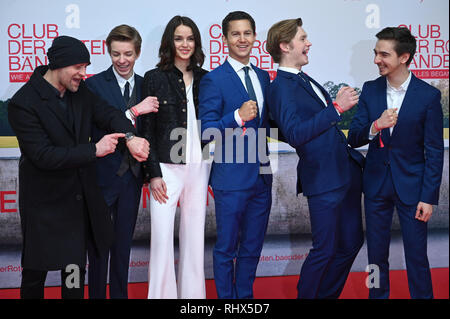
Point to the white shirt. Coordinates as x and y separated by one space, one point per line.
394 98
193 146
238 67
315 88
122 82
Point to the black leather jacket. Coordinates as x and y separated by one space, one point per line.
168 86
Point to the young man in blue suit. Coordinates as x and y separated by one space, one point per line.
232 109
400 117
118 175
328 172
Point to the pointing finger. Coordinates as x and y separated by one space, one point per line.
117 135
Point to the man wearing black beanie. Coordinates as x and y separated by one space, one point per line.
61 207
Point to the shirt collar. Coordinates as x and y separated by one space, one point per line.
236 65
290 70
402 87
121 81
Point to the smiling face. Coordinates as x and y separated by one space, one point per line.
240 38
69 78
123 57
184 43
388 62
296 51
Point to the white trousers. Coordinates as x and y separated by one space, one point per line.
189 184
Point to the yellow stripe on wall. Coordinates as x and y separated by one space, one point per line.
8 142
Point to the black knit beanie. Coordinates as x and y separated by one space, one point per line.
67 51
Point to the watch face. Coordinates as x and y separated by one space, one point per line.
129 135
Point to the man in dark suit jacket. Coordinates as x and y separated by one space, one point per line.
401 118
328 172
61 207
230 97
118 174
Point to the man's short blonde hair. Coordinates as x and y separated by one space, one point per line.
281 32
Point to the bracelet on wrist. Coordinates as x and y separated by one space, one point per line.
338 108
135 111
375 124
380 141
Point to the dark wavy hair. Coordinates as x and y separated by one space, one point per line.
167 49
405 42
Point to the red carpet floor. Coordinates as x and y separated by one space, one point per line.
285 287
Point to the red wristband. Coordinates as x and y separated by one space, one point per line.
375 124
135 111
338 108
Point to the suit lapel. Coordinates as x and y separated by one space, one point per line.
236 80
407 103
60 114
77 110
262 83
138 86
382 106
324 92
114 88
48 96
310 90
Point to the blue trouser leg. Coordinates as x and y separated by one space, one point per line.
241 219
379 213
124 214
414 234
324 210
124 224
253 230
350 238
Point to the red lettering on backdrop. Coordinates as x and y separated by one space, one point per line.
215 31
27 45
4 201
431 60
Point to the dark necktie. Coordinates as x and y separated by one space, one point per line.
126 93
249 85
305 78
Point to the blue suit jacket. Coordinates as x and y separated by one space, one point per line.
415 150
310 128
105 85
221 93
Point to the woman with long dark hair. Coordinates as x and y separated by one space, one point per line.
175 168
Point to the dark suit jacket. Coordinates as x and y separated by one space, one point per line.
311 129
57 172
105 86
221 93
414 152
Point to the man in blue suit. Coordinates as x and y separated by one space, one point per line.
401 118
328 172
232 109
118 175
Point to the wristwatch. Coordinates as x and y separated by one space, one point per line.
129 136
